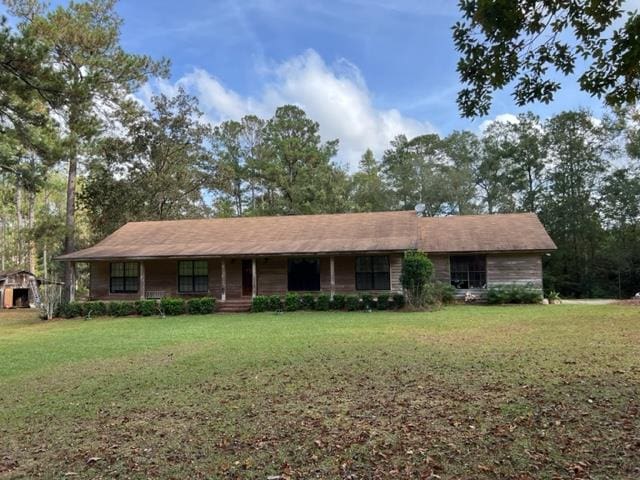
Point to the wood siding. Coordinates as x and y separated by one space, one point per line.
519 269
441 270
162 276
18 280
99 281
501 269
272 275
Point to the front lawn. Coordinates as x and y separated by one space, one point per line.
467 392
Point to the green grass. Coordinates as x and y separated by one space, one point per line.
466 392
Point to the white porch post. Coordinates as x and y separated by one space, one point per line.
332 270
254 278
72 286
223 285
142 287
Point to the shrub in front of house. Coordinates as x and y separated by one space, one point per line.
207 305
308 301
172 306
338 302
323 302
95 309
366 299
398 300
417 271
502 294
439 293
122 308
383 302
292 302
352 302
497 296
259 303
201 305
274 303
147 308
70 310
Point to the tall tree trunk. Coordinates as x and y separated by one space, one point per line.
4 243
19 249
69 236
32 241
45 265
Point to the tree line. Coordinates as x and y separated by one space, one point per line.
80 156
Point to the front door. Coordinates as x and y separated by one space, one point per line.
247 278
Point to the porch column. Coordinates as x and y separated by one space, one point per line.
223 284
72 285
254 278
332 269
142 287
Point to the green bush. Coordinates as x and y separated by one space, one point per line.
417 270
70 310
383 302
95 309
192 306
398 300
501 294
274 303
497 296
367 301
122 308
352 302
292 302
437 293
338 302
147 308
172 306
201 306
308 301
207 305
323 302
260 303
553 296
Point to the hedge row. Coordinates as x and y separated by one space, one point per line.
502 294
146 308
323 302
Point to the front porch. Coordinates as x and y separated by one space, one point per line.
232 279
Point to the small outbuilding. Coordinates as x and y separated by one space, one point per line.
19 289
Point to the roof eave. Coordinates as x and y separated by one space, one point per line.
71 258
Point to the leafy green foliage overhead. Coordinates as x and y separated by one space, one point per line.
525 42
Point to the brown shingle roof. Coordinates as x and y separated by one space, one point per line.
311 234
484 233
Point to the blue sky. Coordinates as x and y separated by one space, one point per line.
366 70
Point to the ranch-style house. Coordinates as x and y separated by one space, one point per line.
234 259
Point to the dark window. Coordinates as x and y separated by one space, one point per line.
303 275
469 271
193 276
372 273
124 277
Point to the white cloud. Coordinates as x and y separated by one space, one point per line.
502 118
335 96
